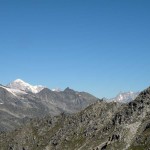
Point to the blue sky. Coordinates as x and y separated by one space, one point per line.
98 46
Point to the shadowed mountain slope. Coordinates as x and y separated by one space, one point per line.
17 106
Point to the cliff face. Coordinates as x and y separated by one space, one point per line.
100 126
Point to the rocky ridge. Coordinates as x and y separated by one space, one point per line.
102 125
17 106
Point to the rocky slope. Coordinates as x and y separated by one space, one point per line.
100 126
17 106
68 100
15 109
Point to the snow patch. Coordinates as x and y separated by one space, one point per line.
125 97
14 92
19 84
56 90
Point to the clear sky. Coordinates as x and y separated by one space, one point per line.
98 46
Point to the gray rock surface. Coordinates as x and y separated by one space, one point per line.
101 126
18 106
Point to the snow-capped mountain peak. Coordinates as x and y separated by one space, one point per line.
22 85
125 97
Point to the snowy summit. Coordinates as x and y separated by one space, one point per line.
21 85
125 97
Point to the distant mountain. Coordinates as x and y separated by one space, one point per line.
68 100
21 85
101 126
20 101
16 106
125 97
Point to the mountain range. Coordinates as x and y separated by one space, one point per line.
101 125
19 86
20 101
